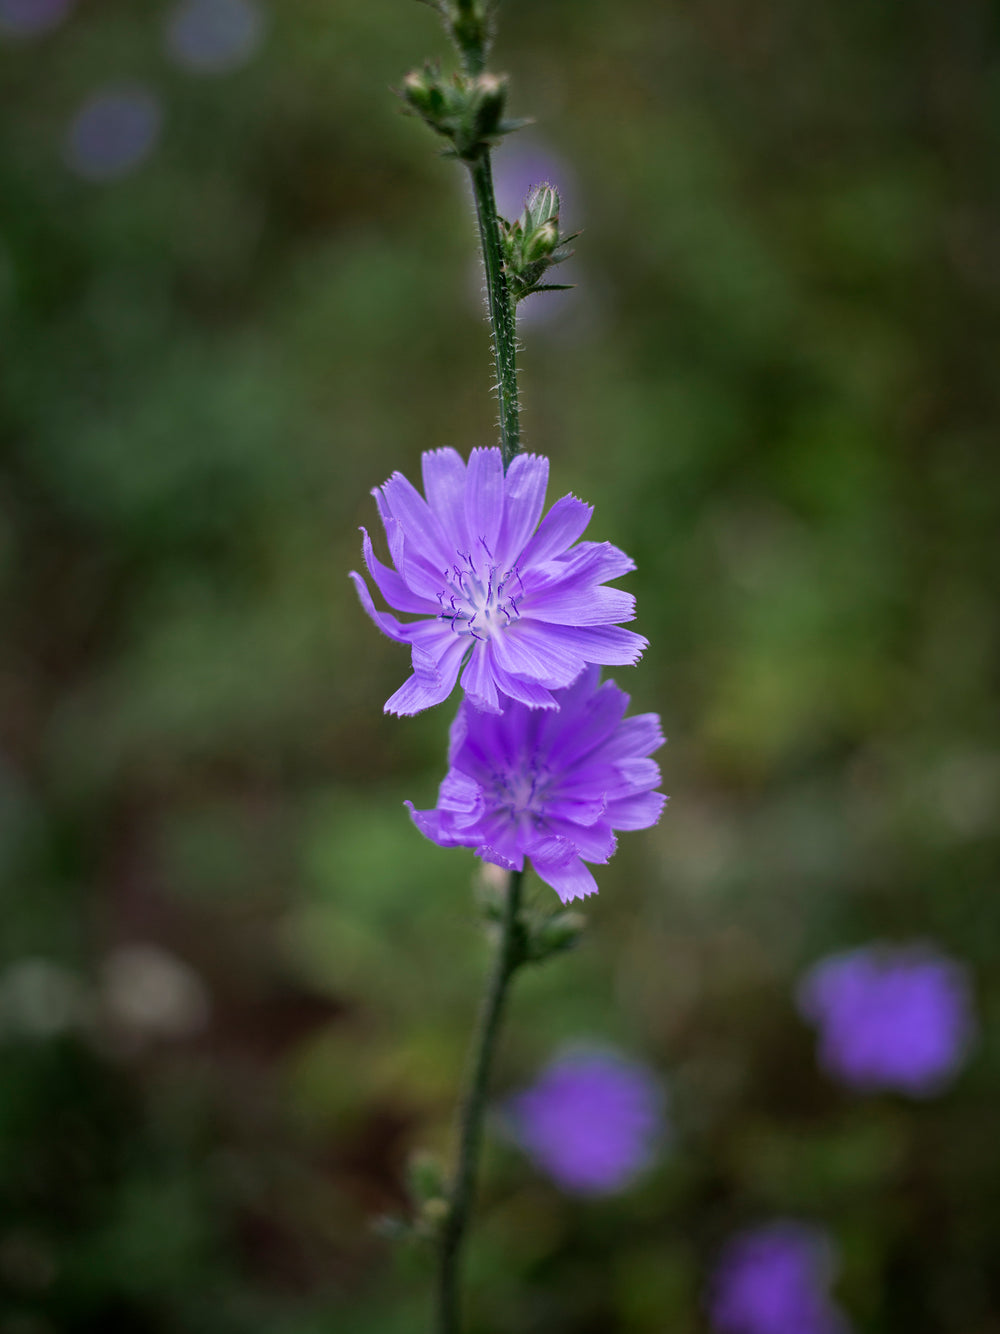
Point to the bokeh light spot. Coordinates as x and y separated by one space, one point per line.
31 18
113 132
214 36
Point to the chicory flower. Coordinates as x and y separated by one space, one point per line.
518 607
550 786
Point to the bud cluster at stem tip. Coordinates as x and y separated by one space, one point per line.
467 109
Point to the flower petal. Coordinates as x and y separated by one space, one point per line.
639 735
638 812
532 651
416 694
641 775
436 826
496 858
421 528
462 797
478 683
563 524
524 496
436 665
444 485
557 864
571 602
484 498
596 842
524 692
392 586
386 623
609 645
598 561
591 720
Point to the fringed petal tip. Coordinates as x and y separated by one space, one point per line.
488 854
418 692
558 863
570 881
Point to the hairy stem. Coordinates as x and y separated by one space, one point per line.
501 308
509 955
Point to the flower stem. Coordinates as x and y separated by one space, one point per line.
509 956
501 307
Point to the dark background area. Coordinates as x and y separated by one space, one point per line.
236 985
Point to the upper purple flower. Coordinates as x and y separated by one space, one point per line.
890 1017
775 1280
592 1121
549 786
523 611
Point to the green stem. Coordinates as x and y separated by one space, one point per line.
509 955
500 306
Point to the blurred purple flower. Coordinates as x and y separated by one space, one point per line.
214 36
592 1122
553 787
113 132
31 18
775 1280
522 611
890 1017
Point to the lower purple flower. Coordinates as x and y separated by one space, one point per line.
890 1017
775 1280
592 1121
550 786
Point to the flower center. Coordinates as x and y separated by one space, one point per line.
479 597
522 792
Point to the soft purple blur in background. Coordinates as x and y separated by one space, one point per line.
30 18
592 1121
113 132
890 1018
214 36
776 1280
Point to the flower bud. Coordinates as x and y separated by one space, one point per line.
422 91
532 244
554 935
467 109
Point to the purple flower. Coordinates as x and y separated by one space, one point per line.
890 1017
775 1280
592 1121
522 611
549 786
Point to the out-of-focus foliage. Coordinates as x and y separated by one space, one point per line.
235 984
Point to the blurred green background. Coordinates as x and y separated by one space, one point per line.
235 984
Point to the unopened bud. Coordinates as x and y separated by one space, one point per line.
557 933
541 243
422 91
